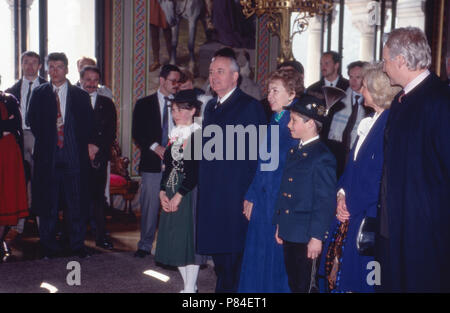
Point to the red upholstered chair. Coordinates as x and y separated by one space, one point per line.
120 181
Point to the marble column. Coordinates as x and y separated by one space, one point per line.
411 13
312 66
360 20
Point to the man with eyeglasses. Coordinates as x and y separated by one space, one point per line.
152 122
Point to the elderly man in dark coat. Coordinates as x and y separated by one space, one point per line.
414 243
223 182
61 119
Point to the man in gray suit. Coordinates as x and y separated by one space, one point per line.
22 90
152 122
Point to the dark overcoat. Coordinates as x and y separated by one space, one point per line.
415 194
42 116
223 183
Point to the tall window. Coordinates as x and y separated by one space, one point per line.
71 29
7 49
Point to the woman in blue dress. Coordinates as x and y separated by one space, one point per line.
358 190
263 267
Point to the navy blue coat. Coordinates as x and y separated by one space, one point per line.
307 198
361 183
263 267
223 183
42 116
416 191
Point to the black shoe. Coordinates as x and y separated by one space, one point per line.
141 253
104 244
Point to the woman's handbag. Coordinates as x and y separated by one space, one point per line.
365 240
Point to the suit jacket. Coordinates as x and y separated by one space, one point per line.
221 226
17 87
307 198
316 88
42 116
415 195
146 130
105 120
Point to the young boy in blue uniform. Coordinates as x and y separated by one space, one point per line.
307 197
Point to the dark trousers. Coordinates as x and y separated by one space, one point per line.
299 267
228 270
97 213
382 257
67 184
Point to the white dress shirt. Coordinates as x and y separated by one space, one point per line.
416 81
333 83
93 98
161 101
309 141
62 93
224 98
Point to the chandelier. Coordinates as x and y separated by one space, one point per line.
279 13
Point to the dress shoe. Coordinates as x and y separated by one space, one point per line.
5 252
104 244
141 253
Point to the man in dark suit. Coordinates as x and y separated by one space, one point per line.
152 122
414 242
222 227
22 90
105 117
343 129
330 62
61 119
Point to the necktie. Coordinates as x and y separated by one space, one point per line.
346 135
27 104
59 121
401 96
165 124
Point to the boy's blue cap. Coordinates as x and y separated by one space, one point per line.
311 107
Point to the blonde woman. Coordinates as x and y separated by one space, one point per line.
359 186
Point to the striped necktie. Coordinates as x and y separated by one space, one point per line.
59 121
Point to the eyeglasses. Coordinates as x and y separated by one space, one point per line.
173 81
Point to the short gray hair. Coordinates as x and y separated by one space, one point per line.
234 66
379 85
412 44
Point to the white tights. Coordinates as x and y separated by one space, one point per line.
189 273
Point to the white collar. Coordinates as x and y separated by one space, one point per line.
60 88
309 140
224 98
25 80
334 82
416 81
180 133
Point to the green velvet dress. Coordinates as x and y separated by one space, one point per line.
176 234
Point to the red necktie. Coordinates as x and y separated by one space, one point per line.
59 121
401 96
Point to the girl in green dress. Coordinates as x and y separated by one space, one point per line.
176 235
